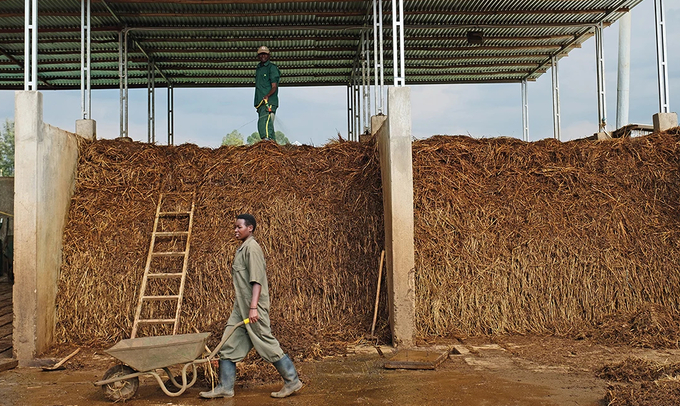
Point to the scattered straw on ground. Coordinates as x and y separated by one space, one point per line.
646 383
637 369
659 393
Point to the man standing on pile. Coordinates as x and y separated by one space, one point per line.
267 78
252 293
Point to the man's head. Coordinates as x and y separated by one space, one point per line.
263 54
244 226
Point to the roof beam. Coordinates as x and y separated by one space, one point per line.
21 65
345 13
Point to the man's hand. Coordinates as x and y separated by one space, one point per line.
253 316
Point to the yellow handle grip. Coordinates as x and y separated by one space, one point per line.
246 321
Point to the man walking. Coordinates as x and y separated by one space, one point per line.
251 301
267 78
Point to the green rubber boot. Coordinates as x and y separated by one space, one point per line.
291 381
227 377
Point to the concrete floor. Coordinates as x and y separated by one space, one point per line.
489 375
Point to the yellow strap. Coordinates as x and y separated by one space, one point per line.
6 214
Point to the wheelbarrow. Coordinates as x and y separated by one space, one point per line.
146 355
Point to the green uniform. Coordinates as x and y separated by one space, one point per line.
266 74
249 267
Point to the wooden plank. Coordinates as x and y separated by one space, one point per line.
169 254
416 359
6 319
8 363
165 275
6 330
5 344
5 308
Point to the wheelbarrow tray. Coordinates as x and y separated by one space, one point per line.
149 353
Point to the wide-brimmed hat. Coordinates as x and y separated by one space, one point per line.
263 50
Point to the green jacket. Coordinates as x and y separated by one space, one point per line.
266 74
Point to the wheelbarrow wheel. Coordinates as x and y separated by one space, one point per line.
120 390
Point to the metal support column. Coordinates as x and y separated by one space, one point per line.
601 99
151 102
31 45
356 91
557 125
123 83
171 115
349 111
398 42
85 60
365 83
379 72
623 77
525 111
662 56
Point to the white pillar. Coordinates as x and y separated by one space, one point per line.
396 164
623 79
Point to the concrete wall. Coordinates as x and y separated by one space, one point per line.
45 164
396 165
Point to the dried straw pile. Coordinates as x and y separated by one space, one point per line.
544 237
511 237
649 326
641 383
319 213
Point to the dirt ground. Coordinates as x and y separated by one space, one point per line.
515 370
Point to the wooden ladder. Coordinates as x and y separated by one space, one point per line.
143 298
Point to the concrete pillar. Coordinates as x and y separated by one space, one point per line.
45 165
376 123
664 121
87 129
396 164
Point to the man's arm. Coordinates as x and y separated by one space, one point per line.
271 92
252 314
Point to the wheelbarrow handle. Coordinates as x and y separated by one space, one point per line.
227 334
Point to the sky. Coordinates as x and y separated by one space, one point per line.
314 116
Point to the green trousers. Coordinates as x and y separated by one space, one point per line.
265 123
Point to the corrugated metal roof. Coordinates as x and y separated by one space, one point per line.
314 43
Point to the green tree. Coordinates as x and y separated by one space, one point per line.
253 138
233 138
7 149
281 138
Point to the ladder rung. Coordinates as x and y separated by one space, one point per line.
170 233
174 213
168 297
164 275
156 321
169 254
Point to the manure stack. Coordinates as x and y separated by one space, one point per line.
511 237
